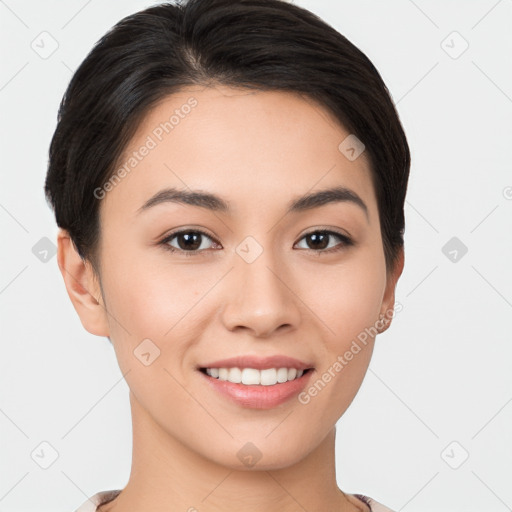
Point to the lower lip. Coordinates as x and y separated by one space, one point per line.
258 396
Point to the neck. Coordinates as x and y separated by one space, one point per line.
167 475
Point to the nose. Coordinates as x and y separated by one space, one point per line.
260 297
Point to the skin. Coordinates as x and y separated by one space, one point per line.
258 151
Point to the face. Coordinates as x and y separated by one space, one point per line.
188 284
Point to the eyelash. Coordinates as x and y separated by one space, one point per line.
345 241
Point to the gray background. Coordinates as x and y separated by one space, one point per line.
439 385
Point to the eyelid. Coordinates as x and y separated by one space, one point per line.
188 229
330 229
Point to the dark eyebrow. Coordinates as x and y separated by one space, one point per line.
194 198
215 203
323 197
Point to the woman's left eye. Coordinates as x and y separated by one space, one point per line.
190 243
320 237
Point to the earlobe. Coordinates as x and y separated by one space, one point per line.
388 302
82 286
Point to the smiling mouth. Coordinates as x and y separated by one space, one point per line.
254 377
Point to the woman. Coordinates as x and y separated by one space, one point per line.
229 181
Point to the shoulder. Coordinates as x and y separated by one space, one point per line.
103 497
100 498
373 505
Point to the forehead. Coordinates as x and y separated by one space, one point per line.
253 147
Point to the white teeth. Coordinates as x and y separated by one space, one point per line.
282 375
269 377
252 376
234 375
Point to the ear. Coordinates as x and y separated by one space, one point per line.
82 286
388 301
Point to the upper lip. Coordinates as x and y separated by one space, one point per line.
259 363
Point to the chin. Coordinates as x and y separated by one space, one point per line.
260 454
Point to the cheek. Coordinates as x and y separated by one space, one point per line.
138 292
350 308
162 303
152 321
347 299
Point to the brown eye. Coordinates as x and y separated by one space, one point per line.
320 241
187 241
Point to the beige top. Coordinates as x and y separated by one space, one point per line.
103 497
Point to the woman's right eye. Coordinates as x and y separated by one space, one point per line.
188 241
